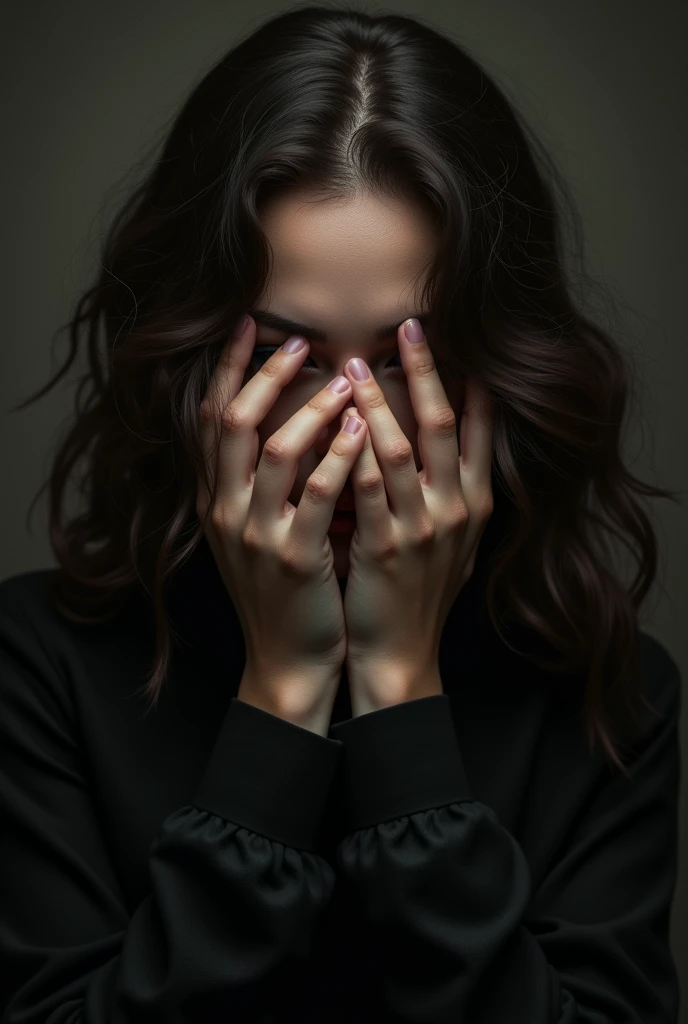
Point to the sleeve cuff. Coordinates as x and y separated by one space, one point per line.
269 776
398 760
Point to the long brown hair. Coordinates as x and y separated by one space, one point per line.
337 100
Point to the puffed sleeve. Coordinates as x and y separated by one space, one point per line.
236 885
460 933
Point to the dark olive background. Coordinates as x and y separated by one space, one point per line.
87 85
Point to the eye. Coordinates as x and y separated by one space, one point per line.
261 353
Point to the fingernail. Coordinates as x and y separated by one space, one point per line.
339 384
358 369
414 331
352 425
294 344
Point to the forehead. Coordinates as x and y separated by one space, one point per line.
337 256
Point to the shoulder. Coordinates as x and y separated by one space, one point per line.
31 678
29 601
46 650
25 605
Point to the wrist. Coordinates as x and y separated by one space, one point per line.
373 688
304 699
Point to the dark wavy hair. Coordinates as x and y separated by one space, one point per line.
338 101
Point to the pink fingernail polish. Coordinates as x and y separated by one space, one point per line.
358 369
339 384
414 331
294 344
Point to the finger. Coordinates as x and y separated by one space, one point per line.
437 434
278 464
242 409
373 517
223 386
313 516
393 450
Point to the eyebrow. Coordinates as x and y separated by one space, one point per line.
282 323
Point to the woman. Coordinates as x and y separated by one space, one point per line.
411 762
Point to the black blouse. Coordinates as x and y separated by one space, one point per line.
461 858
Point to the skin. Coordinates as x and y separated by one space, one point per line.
345 267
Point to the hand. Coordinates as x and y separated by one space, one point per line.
408 562
276 561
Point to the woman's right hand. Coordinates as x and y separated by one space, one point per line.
275 560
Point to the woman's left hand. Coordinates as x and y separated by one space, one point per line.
408 563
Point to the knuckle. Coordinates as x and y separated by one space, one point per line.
232 418
459 514
427 533
443 422
219 518
399 452
276 449
341 446
318 402
387 553
317 486
370 483
376 400
250 537
425 365
270 370
205 411
292 562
